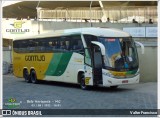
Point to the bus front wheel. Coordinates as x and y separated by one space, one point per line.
82 83
34 77
26 76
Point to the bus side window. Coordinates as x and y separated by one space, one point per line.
89 38
67 45
31 46
23 44
63 45
39 46
45 45
52 45
16 46
77 45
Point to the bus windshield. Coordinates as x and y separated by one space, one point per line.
121 53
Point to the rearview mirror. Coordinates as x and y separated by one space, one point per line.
142 46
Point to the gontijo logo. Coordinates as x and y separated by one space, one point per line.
18 28
17 24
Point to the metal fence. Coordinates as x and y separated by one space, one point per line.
115 14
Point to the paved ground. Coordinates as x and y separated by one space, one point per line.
53 95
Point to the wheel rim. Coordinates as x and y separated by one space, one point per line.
33 76
83 83
26 75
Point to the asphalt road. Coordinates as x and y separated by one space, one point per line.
53 95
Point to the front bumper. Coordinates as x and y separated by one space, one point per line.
111 81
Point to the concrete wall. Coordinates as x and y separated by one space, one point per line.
50 25
7 56
148 64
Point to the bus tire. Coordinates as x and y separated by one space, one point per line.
113 87
33 77
26 76
82 83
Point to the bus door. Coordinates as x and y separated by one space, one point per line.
88 67
93 65
97 64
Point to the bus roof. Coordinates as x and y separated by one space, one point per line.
103 32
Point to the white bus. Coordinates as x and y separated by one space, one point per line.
87 56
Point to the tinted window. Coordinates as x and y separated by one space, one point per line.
89 38
52 44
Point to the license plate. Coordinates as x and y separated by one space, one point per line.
125 81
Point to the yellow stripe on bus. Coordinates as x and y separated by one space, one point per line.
118 73
39 61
